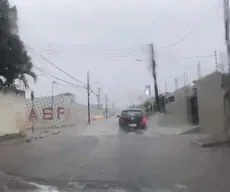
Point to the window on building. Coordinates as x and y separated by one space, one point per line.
171 99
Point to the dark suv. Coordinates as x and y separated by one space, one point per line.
132 119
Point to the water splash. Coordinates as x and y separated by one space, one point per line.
43 188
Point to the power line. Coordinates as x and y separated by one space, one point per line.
74 85
95 47
107 50
46 59
110 53
77 86
59 79
51 63
86 44
197 57
113 50
189 33
71 86
161 15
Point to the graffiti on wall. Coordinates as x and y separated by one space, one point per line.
47 113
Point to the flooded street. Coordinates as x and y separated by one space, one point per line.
100 157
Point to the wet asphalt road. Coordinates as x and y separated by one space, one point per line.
100 156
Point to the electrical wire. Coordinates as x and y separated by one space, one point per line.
59 79
111 50
86 45
61 84
98 47
51 63
190 32
161 15
198 57
108 52
77 86
46 59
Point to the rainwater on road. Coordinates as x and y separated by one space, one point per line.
100 157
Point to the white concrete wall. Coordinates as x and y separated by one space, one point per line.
12 112
178 110
40 104
71 113
211 104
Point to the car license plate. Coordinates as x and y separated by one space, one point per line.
132 125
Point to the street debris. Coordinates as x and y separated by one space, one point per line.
55 132
28 140
41 136
45 131
44 134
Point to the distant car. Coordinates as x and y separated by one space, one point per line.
95 117
132 119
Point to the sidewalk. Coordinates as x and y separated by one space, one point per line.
43 133
154 124
159 123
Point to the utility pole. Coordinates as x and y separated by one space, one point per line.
106 106
198 70
216 62
113 106
53 94
186 76
176 83
153 63
159 90
88 96
184 79
166 87
99 99
226 26
32 100
222 63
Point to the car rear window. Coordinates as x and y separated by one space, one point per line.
132 113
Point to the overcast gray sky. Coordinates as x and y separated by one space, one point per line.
107 36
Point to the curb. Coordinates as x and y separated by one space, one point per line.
210 144
198 143
8 137
195 129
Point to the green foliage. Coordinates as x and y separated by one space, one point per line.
14 60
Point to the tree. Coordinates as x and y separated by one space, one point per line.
14 60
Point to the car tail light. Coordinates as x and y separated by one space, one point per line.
143 120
